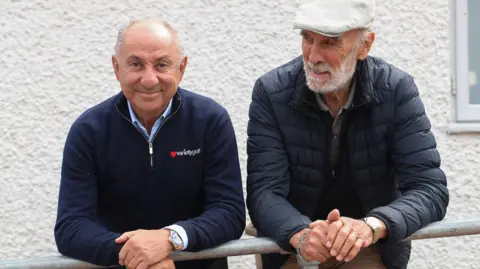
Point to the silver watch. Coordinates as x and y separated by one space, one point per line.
376 226
175 240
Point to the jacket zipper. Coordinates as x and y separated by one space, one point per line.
150 143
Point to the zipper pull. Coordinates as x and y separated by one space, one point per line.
333 174
150 150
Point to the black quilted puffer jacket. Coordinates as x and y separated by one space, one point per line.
392 157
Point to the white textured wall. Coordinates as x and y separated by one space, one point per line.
55 62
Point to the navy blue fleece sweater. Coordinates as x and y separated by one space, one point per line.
112 183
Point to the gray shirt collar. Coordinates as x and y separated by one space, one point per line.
347 105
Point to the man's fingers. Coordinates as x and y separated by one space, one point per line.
319 232
134 263
334 215
313 253
123 253
312 248
320 229
128 259
321 257
333 229
123 238
165 264
322 254
168 264
355 250
142 265
318 223
345 249
318 235
340 239
307 253
366 242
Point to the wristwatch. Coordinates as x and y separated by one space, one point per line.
376 226
175 240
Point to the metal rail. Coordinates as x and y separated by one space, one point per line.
243 247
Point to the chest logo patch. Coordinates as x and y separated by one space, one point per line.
185 152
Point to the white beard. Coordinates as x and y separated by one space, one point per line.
338 78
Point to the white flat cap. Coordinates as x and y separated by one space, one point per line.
332 18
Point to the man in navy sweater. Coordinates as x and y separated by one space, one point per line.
152 170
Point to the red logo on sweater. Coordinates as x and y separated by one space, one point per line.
185 152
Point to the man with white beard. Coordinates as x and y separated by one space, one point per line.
342 165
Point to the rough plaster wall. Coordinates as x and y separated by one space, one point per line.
55 59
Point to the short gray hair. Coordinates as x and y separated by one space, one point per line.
121 33
364 35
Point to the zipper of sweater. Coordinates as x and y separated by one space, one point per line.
150 150
333 174
150 144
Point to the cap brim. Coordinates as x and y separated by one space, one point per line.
318 31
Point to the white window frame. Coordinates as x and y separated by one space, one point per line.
465 112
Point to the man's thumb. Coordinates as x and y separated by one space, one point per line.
334 215
124 237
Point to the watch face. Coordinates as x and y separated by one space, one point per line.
176 240
374 223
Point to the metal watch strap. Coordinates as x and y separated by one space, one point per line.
302 237
375 231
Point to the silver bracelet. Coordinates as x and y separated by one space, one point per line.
302 237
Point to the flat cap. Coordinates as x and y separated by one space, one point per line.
332 18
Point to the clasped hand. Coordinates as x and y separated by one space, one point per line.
145 249
338 237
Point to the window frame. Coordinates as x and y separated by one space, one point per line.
465 112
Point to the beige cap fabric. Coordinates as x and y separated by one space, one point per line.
332 18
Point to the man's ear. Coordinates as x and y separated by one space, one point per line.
183 66
366 46
116 68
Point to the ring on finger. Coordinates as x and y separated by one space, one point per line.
357 236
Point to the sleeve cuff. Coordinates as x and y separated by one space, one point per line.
290 228
181 233
394 221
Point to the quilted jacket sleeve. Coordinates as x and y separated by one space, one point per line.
416 161
268 176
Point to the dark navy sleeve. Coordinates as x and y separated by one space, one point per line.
268 179
78 234
224 216
416 161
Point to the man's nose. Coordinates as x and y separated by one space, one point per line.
316 54
149 79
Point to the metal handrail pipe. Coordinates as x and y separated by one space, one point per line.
242 247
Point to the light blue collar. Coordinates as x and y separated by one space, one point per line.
156 125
